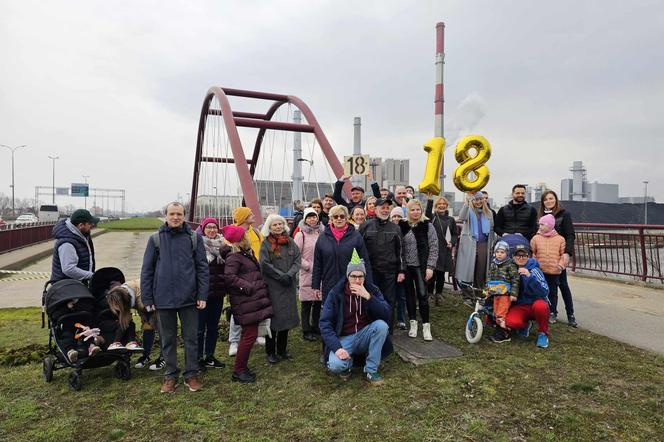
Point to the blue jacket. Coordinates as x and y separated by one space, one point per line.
331 258
332 316
175 276
533 287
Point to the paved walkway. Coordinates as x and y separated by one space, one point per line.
627 313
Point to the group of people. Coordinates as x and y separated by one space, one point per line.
359 268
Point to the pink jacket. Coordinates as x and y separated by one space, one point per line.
306 242
548 251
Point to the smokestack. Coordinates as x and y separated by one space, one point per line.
439 100
357 146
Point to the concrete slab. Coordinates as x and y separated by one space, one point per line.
419 352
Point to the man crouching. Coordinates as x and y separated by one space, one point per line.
354 322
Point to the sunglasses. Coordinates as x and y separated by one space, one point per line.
338 216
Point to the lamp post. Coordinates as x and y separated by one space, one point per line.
645 203
85 199
13 149
53 159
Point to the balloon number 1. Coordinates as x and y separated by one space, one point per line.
472 174
434 148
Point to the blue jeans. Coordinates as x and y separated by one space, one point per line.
369 340
208 327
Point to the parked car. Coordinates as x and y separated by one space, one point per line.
2 222
27 218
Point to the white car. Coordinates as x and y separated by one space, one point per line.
27 218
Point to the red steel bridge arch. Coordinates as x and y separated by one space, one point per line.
246 167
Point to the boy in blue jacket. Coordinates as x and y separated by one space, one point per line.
532 302
354 321
174 281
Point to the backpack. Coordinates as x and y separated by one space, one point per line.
155 240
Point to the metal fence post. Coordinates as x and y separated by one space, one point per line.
644 260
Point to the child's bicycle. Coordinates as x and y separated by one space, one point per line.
477 319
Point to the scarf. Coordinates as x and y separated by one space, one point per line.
306 228
277 241
480 228
338 233
548 234
371 213
213 247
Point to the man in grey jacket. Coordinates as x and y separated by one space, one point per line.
174 281
73 252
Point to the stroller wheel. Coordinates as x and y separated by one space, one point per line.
123 370
49 363
474 328
75 381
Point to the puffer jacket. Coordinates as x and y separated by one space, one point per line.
549 252
516 218
384 245
250 302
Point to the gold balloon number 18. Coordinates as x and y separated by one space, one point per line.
471 175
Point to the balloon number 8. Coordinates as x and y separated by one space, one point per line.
472 174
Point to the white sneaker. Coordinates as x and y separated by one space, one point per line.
426 332
232 349
412 333
260 340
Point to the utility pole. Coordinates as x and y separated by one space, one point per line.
13 149
85 200
645 203
53 159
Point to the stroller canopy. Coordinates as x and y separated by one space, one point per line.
101 282
65 291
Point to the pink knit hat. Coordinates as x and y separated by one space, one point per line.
233 233
396 211
207 221
548 220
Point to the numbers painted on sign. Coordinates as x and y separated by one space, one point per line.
434 148
472 174
356 165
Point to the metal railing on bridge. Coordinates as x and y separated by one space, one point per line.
16 236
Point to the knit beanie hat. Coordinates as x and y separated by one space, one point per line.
356 264
241 214
207 221
232 233
502 245
548 220
397 211
310 211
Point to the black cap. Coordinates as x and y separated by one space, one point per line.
521 248
381 201
361 189
83 216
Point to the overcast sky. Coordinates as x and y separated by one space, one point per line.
115 88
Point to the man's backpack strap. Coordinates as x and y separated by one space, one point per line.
194 241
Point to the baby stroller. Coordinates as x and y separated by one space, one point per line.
54 296
483 312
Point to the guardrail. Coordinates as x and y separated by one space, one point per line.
622 249
15 236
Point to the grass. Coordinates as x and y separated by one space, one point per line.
584 387
133 224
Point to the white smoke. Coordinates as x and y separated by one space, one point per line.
465 118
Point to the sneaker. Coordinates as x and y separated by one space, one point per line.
133 346
142 362
245 377
212 362
469 302
500 335
93 350
426 332
553 318
260 340
542 340
159 363
116 346
525 332
272 359
375 379
401 325
72 355
193 383
571 321
345 375
169 385
438 299
309 337
285 355
232 349
412 333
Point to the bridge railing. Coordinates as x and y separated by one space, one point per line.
15 236
634 250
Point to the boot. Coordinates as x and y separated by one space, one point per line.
412 333
426 332
438 299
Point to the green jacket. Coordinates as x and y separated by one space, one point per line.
506 272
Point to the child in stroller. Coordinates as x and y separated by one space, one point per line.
77 340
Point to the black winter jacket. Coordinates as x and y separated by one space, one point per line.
513 218
565 228
338 188
384 245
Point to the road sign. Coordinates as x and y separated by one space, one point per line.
62 190
356 165
80 189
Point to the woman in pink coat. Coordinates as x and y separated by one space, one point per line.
306 239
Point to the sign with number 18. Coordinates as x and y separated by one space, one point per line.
356 165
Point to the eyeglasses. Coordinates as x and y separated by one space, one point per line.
211 226
355 276
338 216
521 256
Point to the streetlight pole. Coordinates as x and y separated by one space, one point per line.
53 159
13 149
645 203
85 199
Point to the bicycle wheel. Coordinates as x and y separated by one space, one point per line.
474 328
